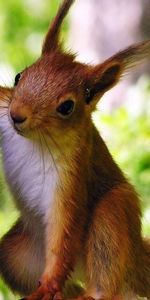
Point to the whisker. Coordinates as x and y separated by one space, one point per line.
58 147
6 107
6 99
29 160
3 115
4 102
49 169
5 131
42 156
49 150
1 78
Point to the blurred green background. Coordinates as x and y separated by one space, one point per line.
22 28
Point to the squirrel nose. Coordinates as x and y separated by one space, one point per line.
17 119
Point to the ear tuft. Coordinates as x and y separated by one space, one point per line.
52 38
104 76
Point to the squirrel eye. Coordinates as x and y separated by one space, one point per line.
66 108
17 78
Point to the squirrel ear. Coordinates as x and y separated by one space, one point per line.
52 38
103 77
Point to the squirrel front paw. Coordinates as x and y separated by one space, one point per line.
46 291
46 295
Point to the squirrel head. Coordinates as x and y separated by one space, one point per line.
57 92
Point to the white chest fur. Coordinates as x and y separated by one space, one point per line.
30 171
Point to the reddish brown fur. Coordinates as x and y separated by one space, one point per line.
96 212
52 38
21 254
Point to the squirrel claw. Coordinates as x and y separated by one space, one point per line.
83 298
44 295
58 296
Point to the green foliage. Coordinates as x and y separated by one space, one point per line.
23 26
5 294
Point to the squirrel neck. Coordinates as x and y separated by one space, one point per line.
40 165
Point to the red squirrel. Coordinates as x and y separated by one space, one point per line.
79 230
